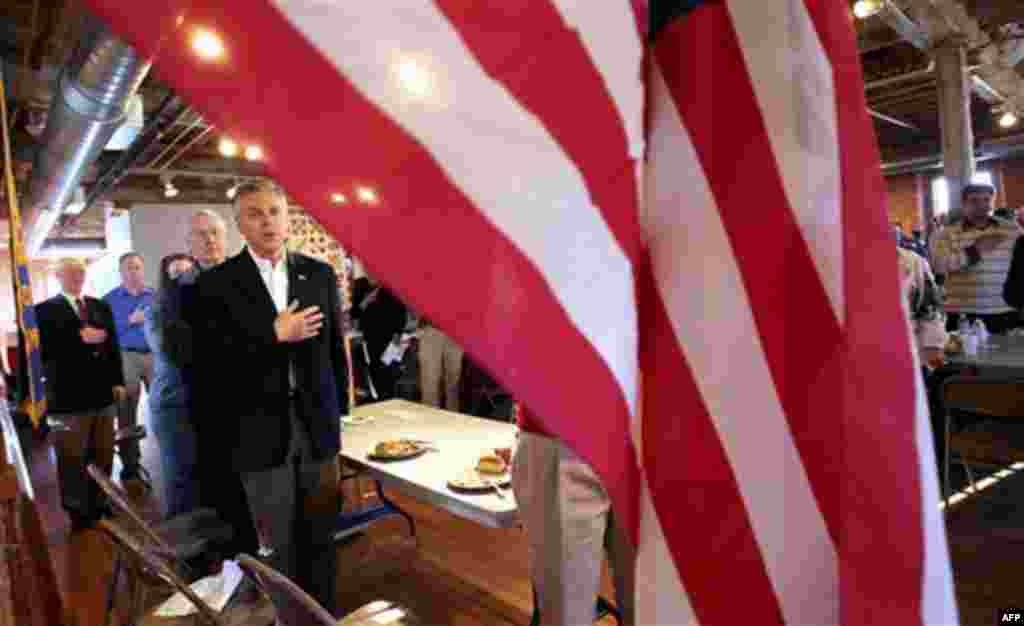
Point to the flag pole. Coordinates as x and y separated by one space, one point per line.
346 269
20 278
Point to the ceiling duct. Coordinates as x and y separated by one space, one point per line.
91 102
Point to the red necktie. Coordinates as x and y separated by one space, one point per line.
83 312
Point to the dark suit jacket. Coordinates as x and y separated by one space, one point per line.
380 320
1013 288
240 371
79 376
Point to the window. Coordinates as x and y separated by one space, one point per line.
940 191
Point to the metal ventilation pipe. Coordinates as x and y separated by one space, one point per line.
89 105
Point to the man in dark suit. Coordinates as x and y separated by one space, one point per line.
382 318
270 367
82 362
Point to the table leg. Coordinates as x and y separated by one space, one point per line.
351 523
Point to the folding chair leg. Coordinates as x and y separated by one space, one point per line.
112 590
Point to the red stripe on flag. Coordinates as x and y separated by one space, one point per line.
692 485
321 136
882 503
704 70
592 135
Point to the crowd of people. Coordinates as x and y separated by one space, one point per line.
970 270
243 359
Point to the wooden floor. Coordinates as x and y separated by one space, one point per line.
460 574
454 573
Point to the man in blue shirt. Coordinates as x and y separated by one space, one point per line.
129 303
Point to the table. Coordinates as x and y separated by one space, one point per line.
1002 355
460 440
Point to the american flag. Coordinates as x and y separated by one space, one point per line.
33 401
487 160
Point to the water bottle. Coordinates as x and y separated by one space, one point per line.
970 341
980 332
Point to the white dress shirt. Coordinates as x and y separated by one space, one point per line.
73 301
275 277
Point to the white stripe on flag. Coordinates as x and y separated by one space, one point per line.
660 597
938 599
413 65
792 78
608 31
701 285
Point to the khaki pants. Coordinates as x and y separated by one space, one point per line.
138 367
568 520
88 438
440 361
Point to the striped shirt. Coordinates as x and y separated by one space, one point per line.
974 281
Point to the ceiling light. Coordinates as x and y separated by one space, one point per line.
232 190
253 153
170 190
338 198
367 195
414 78
864 9
1008 119
207 44
227 147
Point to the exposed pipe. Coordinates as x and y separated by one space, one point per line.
147 171
175 141
986 91
893 120
906 27
177 155
90 105
147 136
902 78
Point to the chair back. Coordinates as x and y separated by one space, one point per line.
294 607
994 396
999 439
157 565
119 498
380 613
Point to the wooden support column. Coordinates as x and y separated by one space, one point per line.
955 116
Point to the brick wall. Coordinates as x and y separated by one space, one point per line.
1012 183
905 201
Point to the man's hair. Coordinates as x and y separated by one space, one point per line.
70 260
257 186
977 188
128 255
207 213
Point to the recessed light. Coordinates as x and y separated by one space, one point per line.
227 147
366 195
253 153
864 9
338 198
1008 119
207 44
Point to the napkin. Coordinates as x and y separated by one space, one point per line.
214 590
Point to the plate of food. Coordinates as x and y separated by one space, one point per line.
474 481
357 420
396 450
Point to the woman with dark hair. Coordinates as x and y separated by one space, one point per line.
170 339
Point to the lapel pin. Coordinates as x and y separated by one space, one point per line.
302 277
